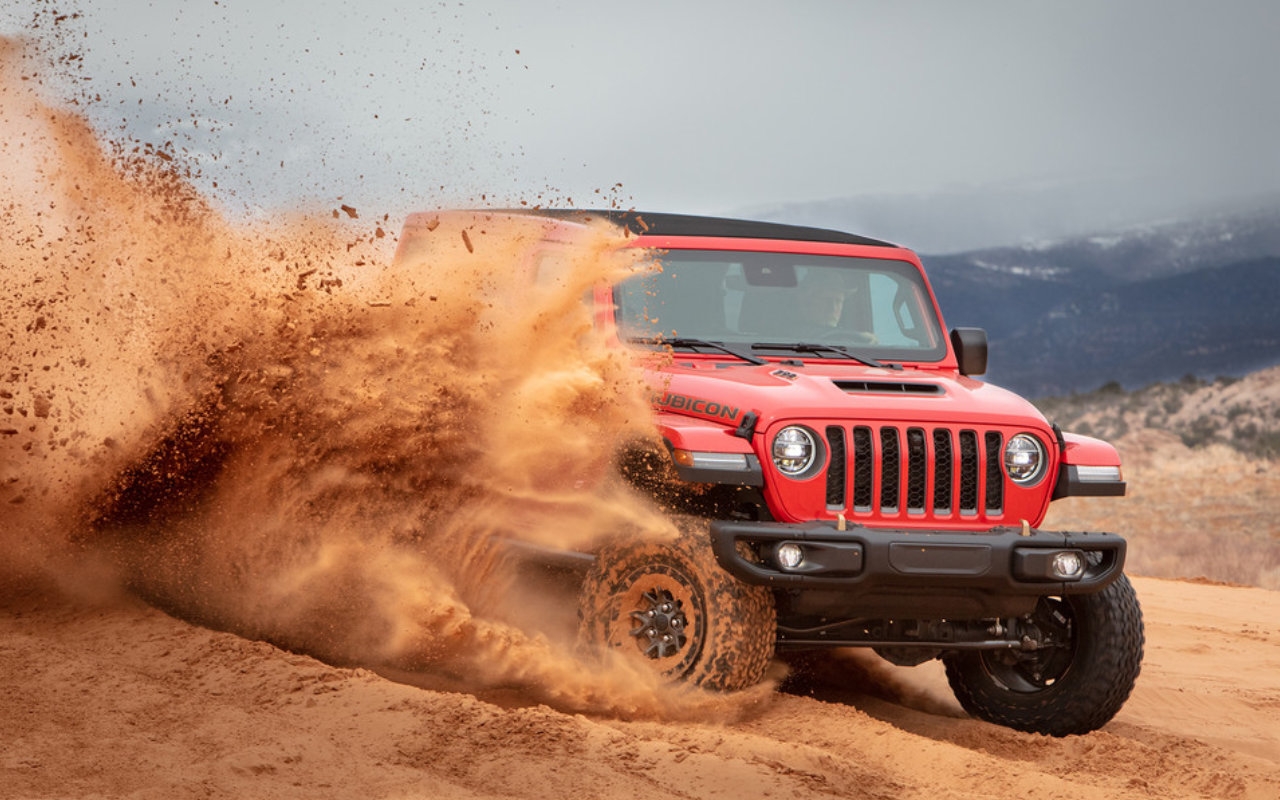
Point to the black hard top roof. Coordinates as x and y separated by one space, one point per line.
662 224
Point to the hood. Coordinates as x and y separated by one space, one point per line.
725 392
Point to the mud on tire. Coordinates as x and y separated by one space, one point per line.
1072 687
670 605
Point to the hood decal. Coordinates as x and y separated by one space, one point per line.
700 407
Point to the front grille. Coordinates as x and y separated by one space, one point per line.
919 471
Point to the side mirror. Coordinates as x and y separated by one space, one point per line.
970 345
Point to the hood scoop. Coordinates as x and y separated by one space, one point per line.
889 387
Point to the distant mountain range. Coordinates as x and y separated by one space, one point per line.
1144 304
1196 294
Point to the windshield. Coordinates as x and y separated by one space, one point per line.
874 307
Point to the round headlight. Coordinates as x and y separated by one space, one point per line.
1024 459
794 450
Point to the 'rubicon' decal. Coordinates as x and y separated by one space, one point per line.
699 406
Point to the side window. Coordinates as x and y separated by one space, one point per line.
550 265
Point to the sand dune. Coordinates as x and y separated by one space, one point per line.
116 699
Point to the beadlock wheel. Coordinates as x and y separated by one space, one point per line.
670 606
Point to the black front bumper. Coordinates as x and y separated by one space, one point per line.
872 563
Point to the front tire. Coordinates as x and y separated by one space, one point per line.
670 606
1087 659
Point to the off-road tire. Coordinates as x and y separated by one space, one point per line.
729 627
1064 691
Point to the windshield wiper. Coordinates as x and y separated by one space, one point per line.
816 347
684 341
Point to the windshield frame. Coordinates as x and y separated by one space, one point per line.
774 279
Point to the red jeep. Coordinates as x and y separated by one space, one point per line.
845 481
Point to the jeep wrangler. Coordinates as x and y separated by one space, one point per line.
842 479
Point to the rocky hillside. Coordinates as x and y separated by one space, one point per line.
1243 414
1202 463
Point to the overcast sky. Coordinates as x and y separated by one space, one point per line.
707 107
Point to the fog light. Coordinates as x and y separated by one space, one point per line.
1068 565
789 555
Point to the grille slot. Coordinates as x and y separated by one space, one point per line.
917 463
836 472
919 471
995 475
968 472
942 471
863 468
890 470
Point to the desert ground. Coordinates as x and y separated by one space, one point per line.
113 698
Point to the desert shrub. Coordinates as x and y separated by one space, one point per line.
1267 445
1202 432
1236 411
